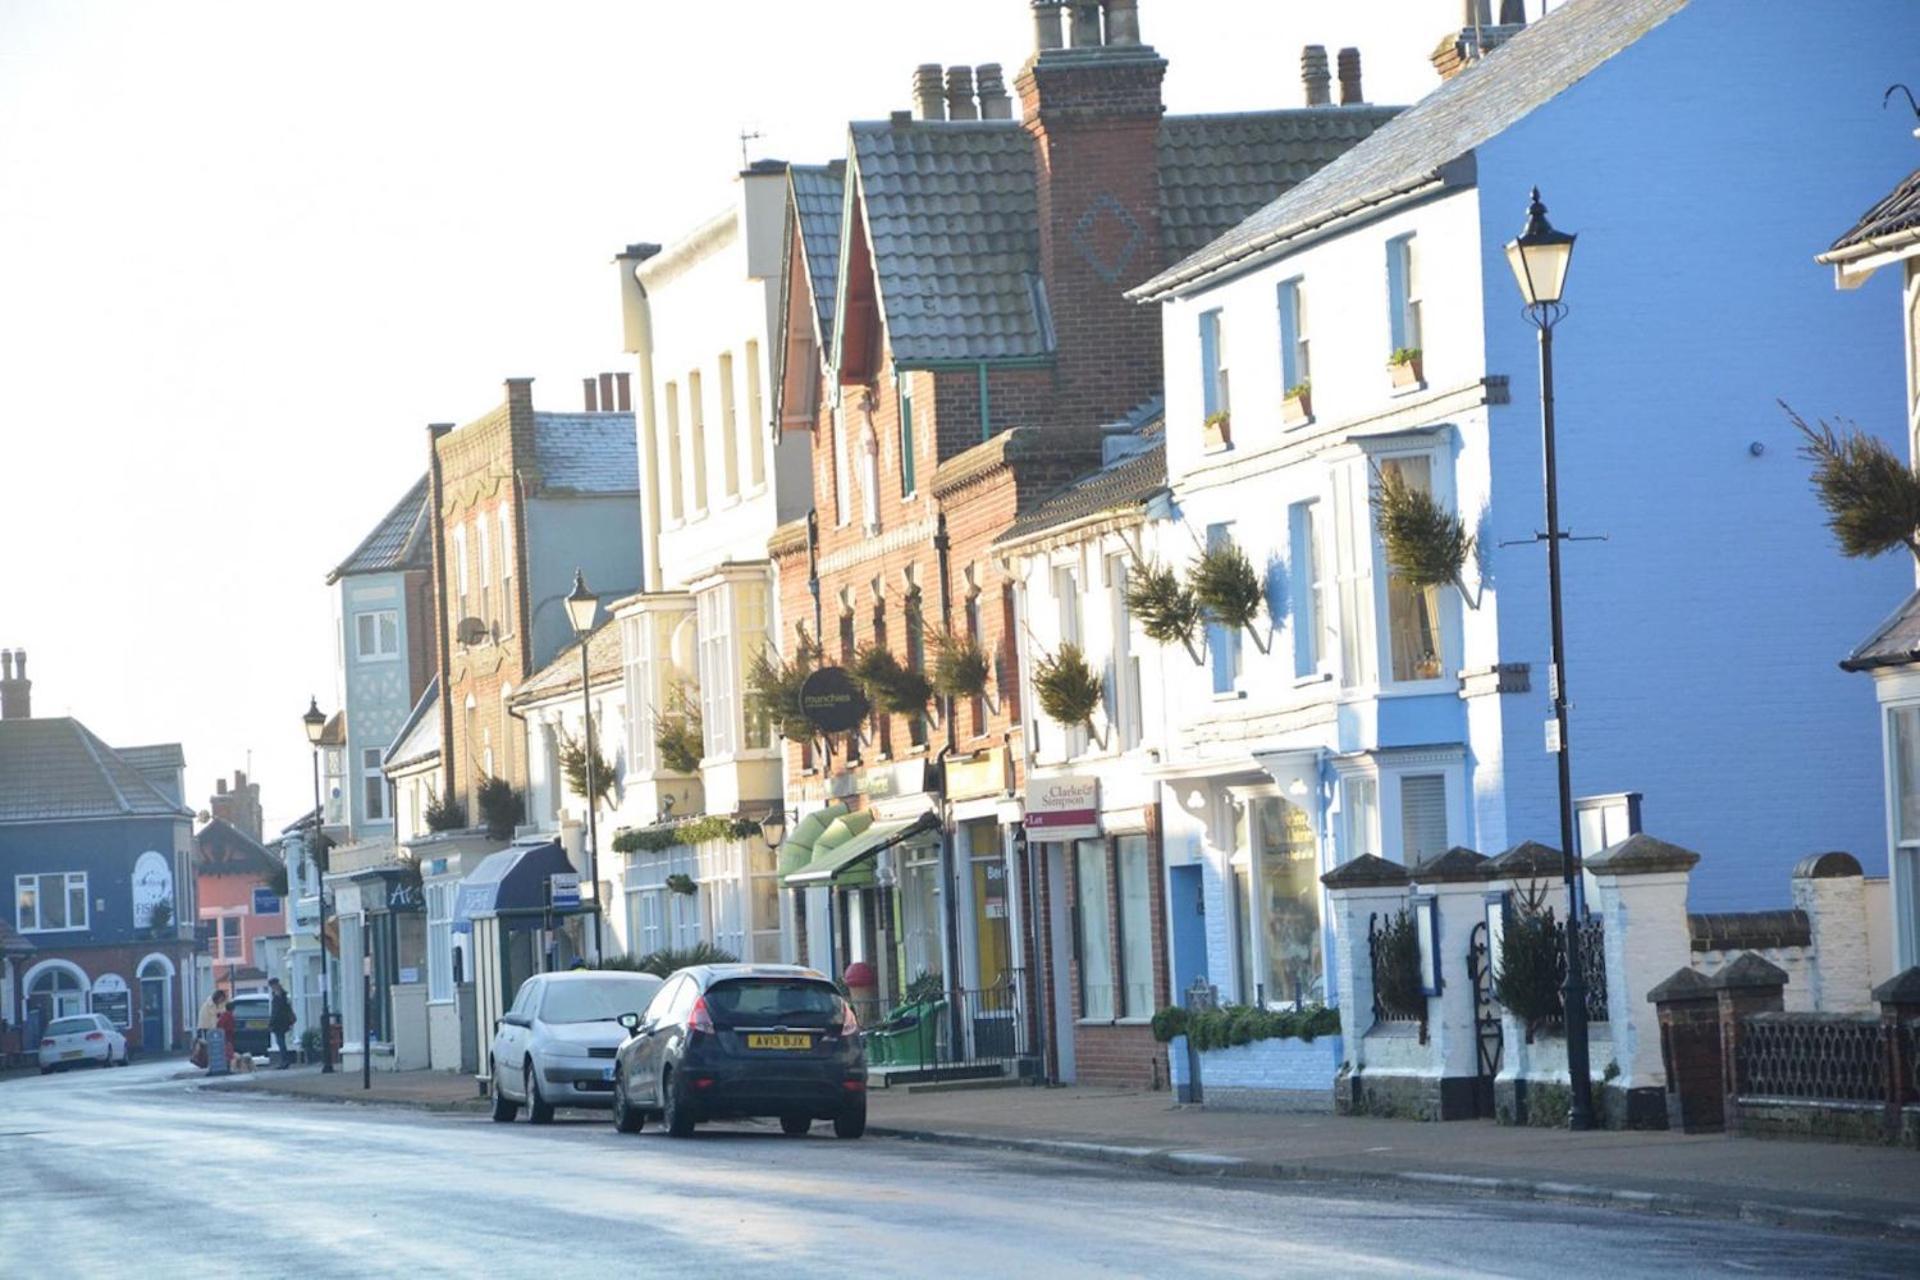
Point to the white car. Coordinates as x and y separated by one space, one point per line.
84 1039
555 1047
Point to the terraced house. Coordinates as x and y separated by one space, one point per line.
958 344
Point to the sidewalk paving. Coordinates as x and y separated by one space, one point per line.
1807 1185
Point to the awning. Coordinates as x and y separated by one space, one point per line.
831 864
797 850
508 882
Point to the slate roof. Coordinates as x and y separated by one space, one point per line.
953 216
219 831
586 453
1411 150
399 541
1121 488
161 755
562 675
1216 170
56 770
1896 218
819 198
1894 643
419 737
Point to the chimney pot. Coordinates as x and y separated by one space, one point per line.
1350 95
16 691
1512 12
6 664
219 786
1476 11
606 393
623 383
929 97
590 394
1086 24
1046 25
960 103
995 102
1313 73
1123 23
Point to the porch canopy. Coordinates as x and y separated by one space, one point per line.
833 859
510 882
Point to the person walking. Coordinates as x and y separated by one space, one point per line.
280 1020
213 1017
228 1026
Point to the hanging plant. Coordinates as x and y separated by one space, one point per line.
1872 499
160 915
1069 690
445 815
573 762
681 737
1165 606
961 667
892 688
501 808
672 835
773 687
1426 545
1526 978
681 883
1227 589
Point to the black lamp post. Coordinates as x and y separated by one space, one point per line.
582 608
315 721
1540 257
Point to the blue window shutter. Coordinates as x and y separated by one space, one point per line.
1222 642
1289 334
1210 363
1397 291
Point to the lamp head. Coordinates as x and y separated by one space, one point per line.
315 720
582 605
1540 257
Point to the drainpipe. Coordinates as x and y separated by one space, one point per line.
943 548
435 495
636 309
813 579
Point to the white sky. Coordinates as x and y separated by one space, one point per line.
248 250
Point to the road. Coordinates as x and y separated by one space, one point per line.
130 1172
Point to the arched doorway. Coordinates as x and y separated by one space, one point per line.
156 999
55 989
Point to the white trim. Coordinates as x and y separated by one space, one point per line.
86 983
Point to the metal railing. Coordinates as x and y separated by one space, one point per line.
1593 965
1382 935
965 1030
1815 1057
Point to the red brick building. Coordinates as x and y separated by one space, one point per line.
959 344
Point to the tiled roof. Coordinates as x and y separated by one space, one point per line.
161 755
11 943
819 196
399 541
419 737
1896 217
1409 151
55 770
953 214
1217 170
208 854
1894 643
562 675
586 453
1121 488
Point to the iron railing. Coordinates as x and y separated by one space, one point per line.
1593 965
971 1031
1381 962
1815 1057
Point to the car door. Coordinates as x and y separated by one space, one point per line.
510 1049
642 1059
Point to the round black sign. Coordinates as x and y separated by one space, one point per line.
832 702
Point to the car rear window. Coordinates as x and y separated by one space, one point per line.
72 1026
251 1008
597 999
746 1001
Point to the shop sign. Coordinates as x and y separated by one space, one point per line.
265 902
113 999
1063 808
832 702
983 775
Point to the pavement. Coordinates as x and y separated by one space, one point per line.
106 1172
1804 1185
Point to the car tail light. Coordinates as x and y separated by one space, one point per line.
849 1024
47 1043
95 1035
854 1086
698 1019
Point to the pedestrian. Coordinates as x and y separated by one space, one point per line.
280 1020
227 1024
211 1013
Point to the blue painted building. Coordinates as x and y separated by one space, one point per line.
96 850
1697 148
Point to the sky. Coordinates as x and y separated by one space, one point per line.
249 250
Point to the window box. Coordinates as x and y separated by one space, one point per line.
1297 409
1218 431
1407 369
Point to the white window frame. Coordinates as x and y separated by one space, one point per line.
676 465
1124 695
373 788
753 636
1216 379
1406 323
729 429
440 899
462 575
1296 352
1246 836
1226 661
756 418
842 477
505 624
697 422
1445 602
637 647
69 882
1065 581
483 539
717 668
1385 772
1353 540
376 635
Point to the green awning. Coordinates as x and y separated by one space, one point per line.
797 850
831 864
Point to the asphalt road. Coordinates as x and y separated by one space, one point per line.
129 1173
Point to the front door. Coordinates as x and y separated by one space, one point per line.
153 1014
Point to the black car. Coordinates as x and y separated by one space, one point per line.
252 1014
728 1041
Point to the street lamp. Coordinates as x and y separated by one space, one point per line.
315 721
582 608
1540 258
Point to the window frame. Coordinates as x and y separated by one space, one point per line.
1083 933
1441 601
1216 379
1124 688
756 424
373 620
1296 352
1124 937
69 881
697 440
1252 956
504 626
1226 658
676 459
373 787
729 429
1405 307
909 480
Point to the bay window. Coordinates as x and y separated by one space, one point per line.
636 645
1353 573
1413 614
716 679
1313 630
756 640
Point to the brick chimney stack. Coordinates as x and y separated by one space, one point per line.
1479 35
1046 25
16 691
1313 74
238 805
1093 111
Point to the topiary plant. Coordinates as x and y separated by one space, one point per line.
892 688
1068 689
961 668
445 815
1165 605
573 762
1872 499
680 736
501 808
1396 970
1426 545
1526 977
774 688
1226 587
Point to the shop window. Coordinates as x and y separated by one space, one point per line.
1134 866
1091 884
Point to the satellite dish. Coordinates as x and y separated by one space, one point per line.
472 631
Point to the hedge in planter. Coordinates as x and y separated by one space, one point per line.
501 808
1526 978
1232 1025
692 831
1396 970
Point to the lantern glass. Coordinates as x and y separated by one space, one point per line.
582 605
315 721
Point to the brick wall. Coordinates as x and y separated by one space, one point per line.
1121 1054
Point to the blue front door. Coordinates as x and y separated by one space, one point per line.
153 1015
1187 924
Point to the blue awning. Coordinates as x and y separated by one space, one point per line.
512 881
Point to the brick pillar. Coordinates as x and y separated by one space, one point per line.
1747 986
1830 888
1356 891
1899 1000
1688 1009
1640 896
1457 881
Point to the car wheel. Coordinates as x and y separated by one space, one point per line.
626 1117
504 1108
674 1112
852 1120
538 1109
796 1126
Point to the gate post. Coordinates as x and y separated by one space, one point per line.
1749 985
1455 880
1899 1000
1640 894
1689 1013
1356 890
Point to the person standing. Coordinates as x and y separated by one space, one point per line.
213 1013
229 1027
280 1020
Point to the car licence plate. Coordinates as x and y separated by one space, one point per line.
74 1053
606 1074
789 1042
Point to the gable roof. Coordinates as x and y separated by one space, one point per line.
819 192
1893 222
399 541
562 675
419 737
57 770
1416 148
220 848
1122 489
1894 643
591 454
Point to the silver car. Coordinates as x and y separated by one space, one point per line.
555 1046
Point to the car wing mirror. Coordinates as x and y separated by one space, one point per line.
631 1021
